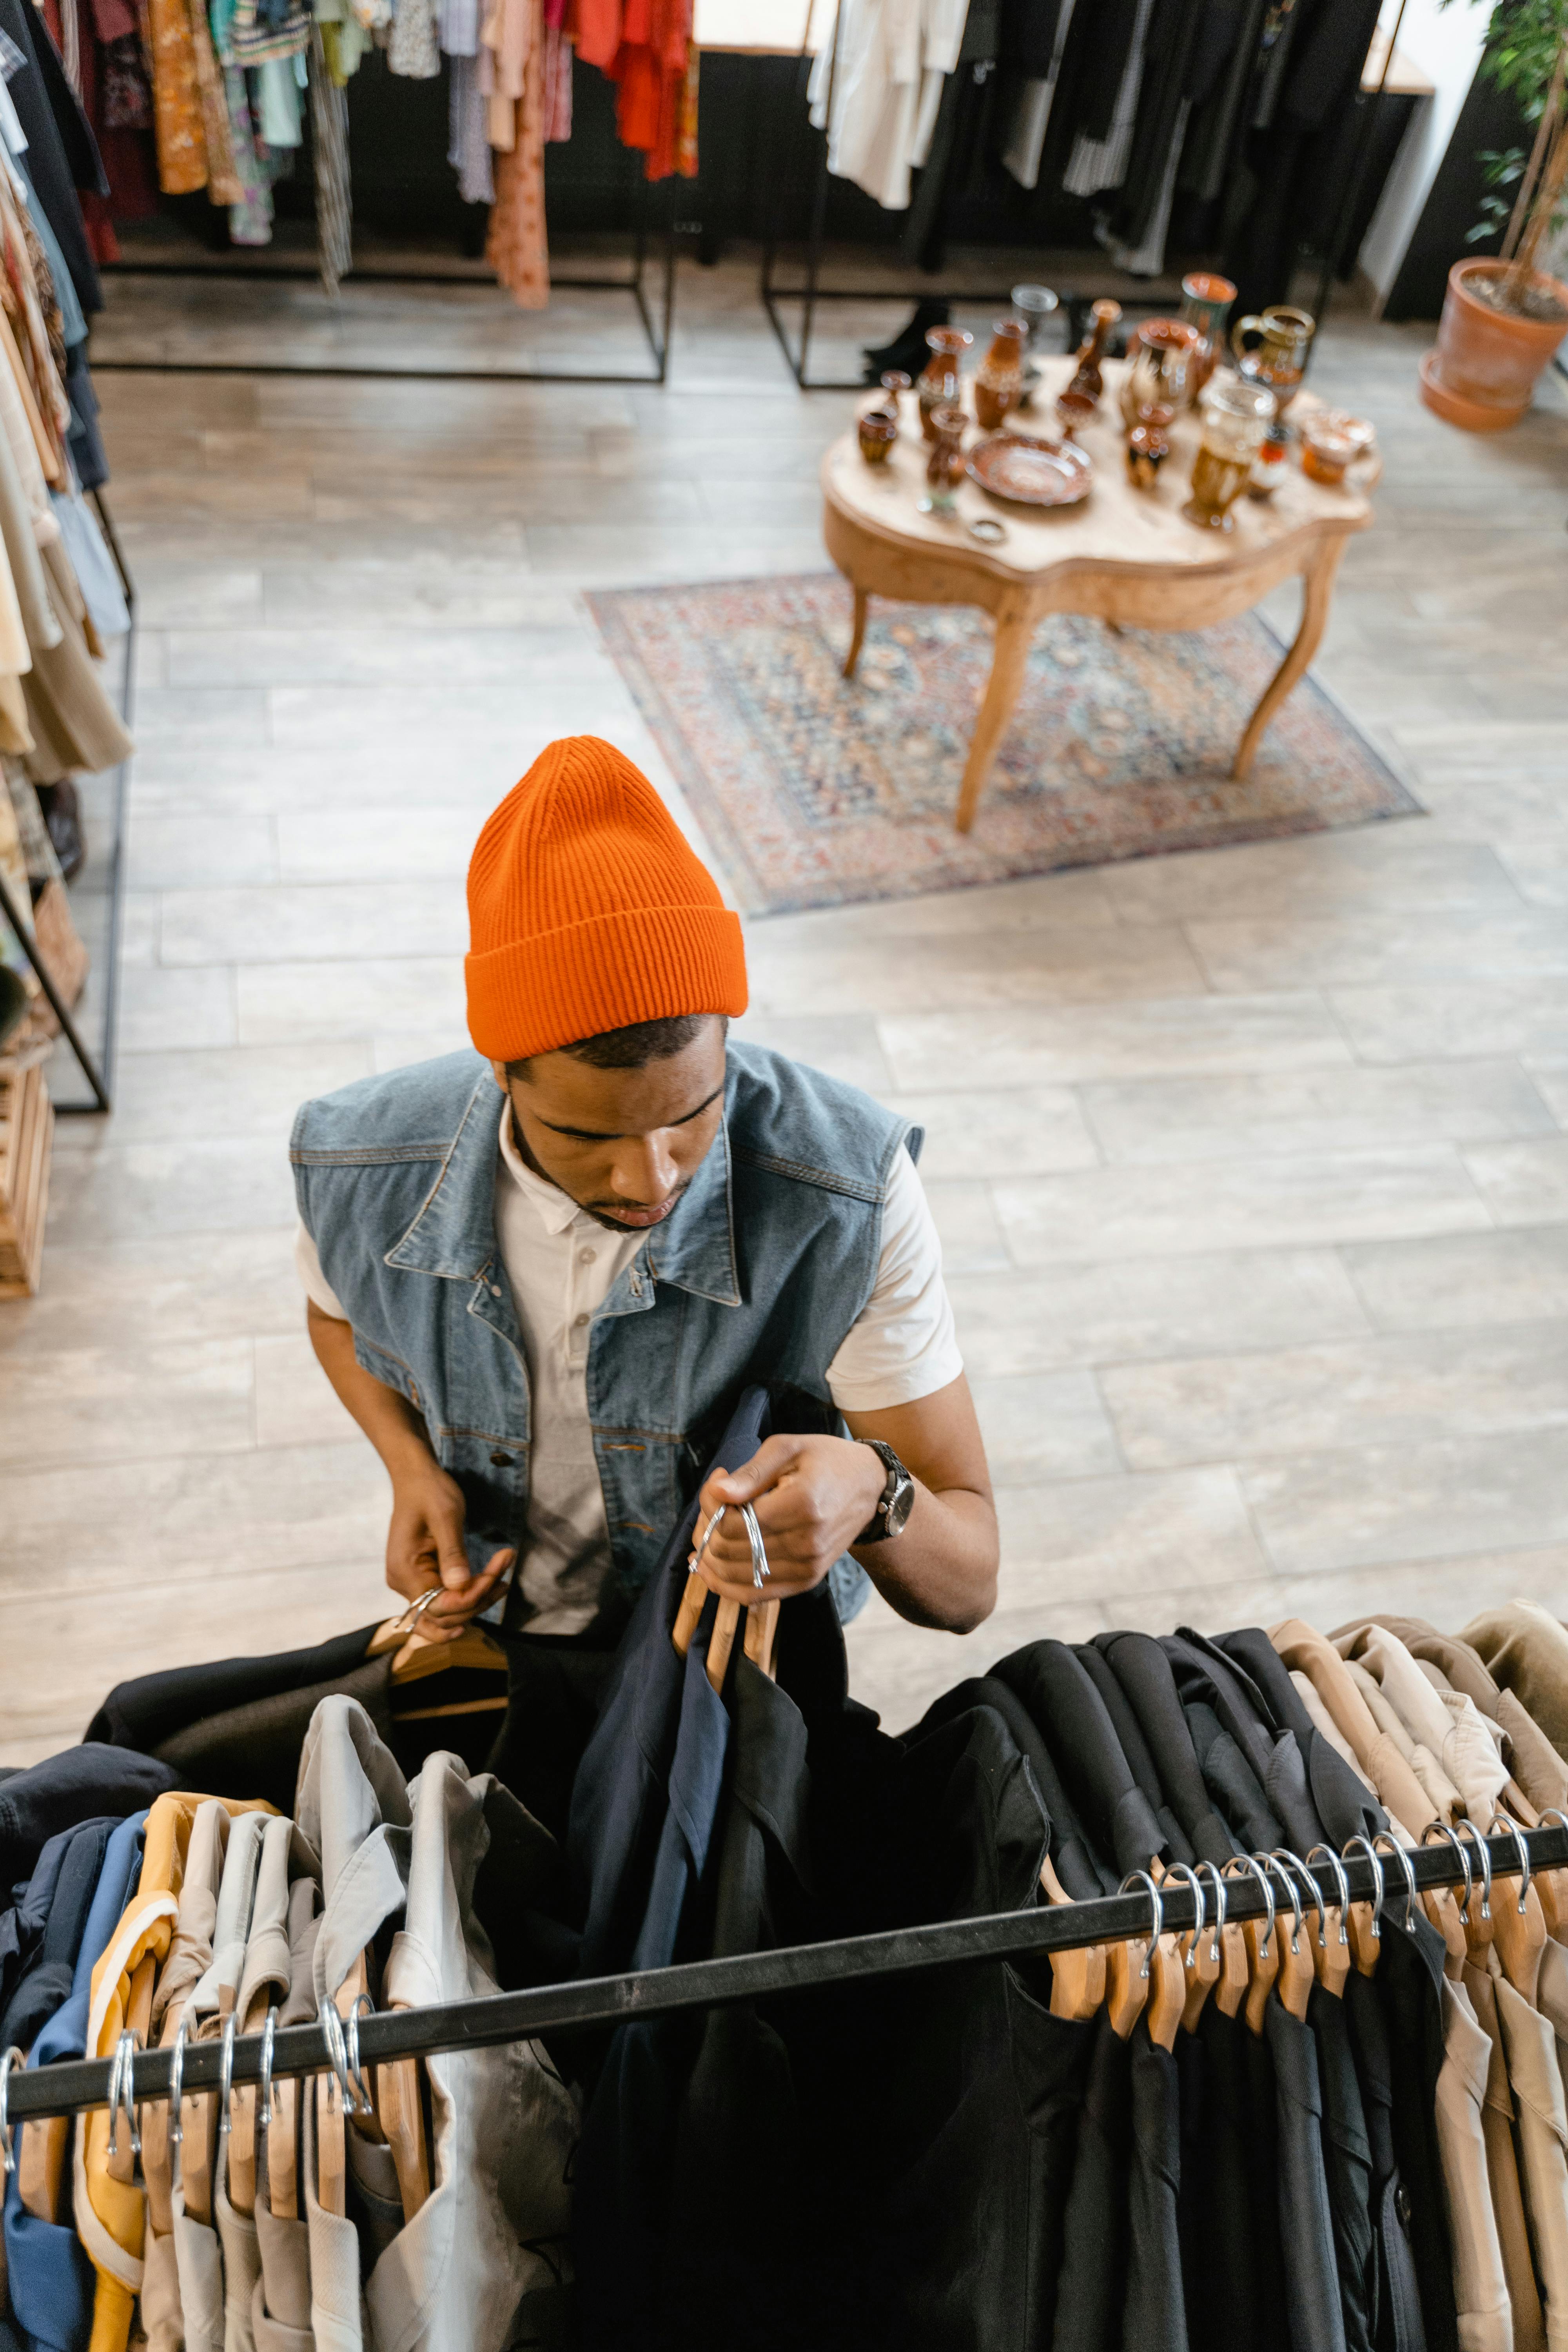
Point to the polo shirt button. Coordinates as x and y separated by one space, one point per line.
578 1322
503 1461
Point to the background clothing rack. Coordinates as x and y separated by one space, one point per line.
100 1072
602 2002
656 324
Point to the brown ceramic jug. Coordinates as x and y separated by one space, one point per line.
1205 301
999 378
937 385
1087 377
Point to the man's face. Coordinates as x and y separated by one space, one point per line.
623 1144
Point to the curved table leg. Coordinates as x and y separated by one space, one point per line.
1317 594
1015 633
862 598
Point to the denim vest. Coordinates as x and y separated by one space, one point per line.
755 1276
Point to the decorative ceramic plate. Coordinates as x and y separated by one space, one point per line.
1032 473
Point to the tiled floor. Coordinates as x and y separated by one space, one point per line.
1251 1166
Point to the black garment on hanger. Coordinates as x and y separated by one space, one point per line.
1344 1805
1094 2224
1409 1980
1396 2317
1306 2228
76 1785
1347 2168
1203 1672
1054 1686
1233 1784
1224 2163
1135 1747
62 153
1143 1673
1153 2314
1085 1875
84 436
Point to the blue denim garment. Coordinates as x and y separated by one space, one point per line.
51 2279
757 1275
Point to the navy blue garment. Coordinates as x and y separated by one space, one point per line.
51 2279
52 1912
22 1926
74 1786
1084 1874
615 1834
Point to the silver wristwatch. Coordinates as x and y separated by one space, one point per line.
896 1500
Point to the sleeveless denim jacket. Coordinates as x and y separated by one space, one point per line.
756 1276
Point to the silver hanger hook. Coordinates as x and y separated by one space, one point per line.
1156 1911
266 2106
177 2097
13 2057
416 1609
1386 1838
1244 1861
332 2026
1290 1859
1472 1837
1343 1887
1219 1905
1200 1908
761 1571
1381 1894
707 1533
226 2073
1441 1828
350 2038
1553 1813
120 2094
1272 1861
1512 1829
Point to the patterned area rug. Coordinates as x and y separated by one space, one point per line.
816 791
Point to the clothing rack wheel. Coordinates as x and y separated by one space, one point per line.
657 323
71 2087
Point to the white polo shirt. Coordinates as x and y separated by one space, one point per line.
562 1263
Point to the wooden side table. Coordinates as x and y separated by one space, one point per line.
1122 555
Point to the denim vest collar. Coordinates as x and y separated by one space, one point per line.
454 1234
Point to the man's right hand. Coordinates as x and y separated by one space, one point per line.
425 1548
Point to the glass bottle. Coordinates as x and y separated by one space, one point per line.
1162 355
938 386
1087 377
1205 302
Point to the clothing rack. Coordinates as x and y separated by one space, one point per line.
607 2001
656 327
100 1072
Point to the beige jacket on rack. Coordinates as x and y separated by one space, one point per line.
1543 2135
280 2312
1526 1650
1540 1771
1444 1723
1305 1649
190 1951
1444 1803
1482 2299
1499 2123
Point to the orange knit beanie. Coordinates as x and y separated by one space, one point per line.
587 910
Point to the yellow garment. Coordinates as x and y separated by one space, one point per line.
110 2215
176 103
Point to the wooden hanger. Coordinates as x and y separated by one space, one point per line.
1078 1979
337 2105
1553 1883
400 2101
121 2163
1521 1923
1297 1975
1477 1917
1366 1923
419 1657
1194 1986
1449 1915
1332 1952
761 1628
1207 1951
1261 1947
1129 1972
689 1615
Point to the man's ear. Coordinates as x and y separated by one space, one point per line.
498 1071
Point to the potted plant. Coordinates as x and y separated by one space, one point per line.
1504 318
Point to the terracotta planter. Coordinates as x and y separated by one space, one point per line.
1482 372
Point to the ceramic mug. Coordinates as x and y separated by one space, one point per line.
1279 357
1333 444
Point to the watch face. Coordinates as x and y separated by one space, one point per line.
896 1518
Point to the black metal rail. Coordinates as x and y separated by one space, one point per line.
602 2002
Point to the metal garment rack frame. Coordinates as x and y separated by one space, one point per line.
99 1073
607 2001
1075 306
656 329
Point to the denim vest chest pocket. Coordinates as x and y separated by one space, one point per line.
757 1275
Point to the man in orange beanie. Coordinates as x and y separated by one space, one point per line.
541 1322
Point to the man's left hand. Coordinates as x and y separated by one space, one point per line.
812 1495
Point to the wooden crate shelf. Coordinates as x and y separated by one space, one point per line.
26 1132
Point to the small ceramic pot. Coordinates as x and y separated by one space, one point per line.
1074 410
1333 442
877 432
944 466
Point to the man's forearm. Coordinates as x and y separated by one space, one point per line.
941 1571
388 1420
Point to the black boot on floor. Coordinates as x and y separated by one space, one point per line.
908 349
